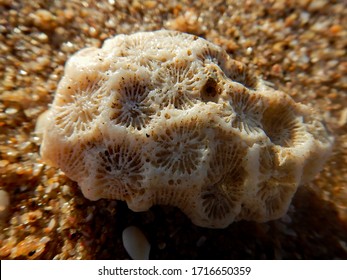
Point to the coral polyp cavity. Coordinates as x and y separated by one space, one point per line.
169 118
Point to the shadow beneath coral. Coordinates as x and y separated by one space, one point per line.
311 230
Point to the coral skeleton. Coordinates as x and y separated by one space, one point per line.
169 118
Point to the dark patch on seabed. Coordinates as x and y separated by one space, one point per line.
312 231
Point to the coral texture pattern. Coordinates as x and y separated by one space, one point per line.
168 118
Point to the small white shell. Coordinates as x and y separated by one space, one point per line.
136 243
4 203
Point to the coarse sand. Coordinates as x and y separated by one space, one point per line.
297 46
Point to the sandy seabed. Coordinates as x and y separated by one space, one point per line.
298 46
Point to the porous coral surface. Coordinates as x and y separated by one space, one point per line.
169 118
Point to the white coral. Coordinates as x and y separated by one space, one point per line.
169 118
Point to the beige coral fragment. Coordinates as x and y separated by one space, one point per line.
168 118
